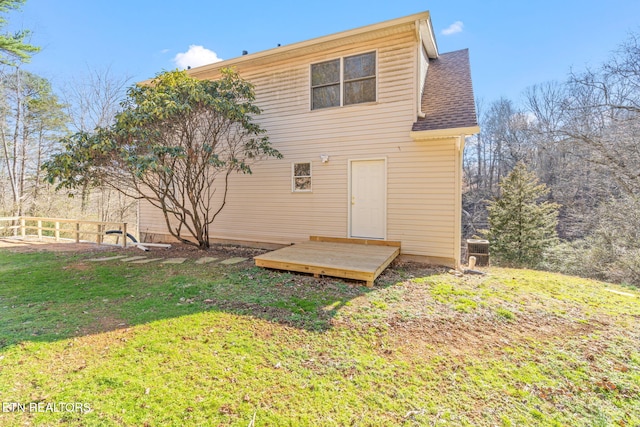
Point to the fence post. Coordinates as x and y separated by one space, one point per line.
40 229
124 235
57 232
22 224
77 232
99 235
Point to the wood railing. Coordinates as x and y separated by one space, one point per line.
73 227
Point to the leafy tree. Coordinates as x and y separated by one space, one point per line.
175 144
14 45
521 225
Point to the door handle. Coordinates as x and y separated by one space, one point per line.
353 200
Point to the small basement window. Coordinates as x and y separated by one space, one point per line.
301 177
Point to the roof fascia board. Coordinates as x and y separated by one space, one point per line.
428 37
444 133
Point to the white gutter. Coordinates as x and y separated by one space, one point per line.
444 133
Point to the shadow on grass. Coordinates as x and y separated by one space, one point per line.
50 296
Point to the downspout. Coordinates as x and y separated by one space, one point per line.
459 150
417 73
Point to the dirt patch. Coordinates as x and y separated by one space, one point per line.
102 323
77 266
180 250
33 245
413 323
401 270
462 335
177 250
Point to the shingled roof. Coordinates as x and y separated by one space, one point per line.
447 99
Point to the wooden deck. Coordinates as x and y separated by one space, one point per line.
357 259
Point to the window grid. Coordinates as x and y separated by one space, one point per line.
361 83
301 177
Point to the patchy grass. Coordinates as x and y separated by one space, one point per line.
214 345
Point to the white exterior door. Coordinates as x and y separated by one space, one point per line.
368 199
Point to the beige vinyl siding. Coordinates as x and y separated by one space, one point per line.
420 175
421 200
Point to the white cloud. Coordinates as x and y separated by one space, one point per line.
195 57
454 28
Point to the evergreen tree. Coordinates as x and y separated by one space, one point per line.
521 225
13 46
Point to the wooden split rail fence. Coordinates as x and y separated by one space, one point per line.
62 226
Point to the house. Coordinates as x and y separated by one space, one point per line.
372 124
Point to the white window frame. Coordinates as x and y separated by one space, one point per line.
294 176
311 87
341 82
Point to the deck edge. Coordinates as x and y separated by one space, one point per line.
371 242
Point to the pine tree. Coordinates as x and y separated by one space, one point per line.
14 46
521 225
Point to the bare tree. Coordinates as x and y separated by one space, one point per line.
602 113
93 101
32 119
580 139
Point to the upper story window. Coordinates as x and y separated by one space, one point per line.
344 81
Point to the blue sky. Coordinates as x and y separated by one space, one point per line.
513 43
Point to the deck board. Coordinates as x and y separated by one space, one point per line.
345 258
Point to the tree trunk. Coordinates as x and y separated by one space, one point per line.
36 184
10 168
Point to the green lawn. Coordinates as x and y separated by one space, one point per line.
151 345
